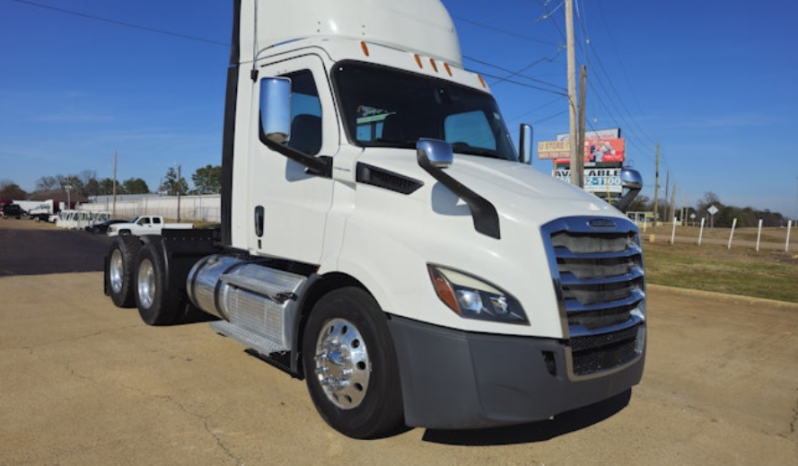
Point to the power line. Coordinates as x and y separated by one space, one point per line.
518 73
530 86
588 50
504 31
536 109
617 54
550 117
119 23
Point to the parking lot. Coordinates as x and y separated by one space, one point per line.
84 383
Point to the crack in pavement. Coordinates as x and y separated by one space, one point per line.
32 349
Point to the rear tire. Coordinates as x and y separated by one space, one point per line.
350 365
157 303
120 266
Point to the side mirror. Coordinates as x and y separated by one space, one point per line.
632 182
525 141
275 109
434 152
631 179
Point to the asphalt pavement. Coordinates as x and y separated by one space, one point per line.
36 248
84 383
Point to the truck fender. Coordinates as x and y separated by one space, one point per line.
313 290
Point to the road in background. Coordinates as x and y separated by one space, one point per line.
36 248
85 383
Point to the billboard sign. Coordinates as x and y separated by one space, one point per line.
553 149
614 133
597 180
603 145
596 151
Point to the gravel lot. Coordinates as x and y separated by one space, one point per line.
85 383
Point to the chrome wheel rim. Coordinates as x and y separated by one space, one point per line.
146 283
343 368
116 270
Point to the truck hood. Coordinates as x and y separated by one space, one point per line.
432 225
519 192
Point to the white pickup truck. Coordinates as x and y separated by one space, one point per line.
145 225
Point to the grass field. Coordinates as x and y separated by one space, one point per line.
769 273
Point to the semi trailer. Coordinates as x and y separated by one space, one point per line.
382 239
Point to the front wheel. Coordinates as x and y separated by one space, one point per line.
350 365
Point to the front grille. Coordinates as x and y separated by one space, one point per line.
598 273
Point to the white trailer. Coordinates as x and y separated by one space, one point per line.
41 210
382 239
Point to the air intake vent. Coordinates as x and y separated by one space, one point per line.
381 178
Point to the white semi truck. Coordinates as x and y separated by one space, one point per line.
382 239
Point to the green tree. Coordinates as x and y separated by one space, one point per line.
88 182
641 203
135 186
207 180
171 184
106 187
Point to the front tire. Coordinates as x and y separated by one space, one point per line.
119 279
157 303
350 365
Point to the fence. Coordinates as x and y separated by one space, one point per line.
205 208
778 238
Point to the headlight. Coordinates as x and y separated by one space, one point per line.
473 298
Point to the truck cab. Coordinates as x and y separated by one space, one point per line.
382 239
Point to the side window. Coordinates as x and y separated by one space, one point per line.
471 128
305 113
144 221
156 220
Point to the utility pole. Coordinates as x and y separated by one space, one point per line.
656 188
666 208
673 202
580 146
113 212
179 188
571 59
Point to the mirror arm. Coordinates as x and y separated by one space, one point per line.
321 166
486 218
625 201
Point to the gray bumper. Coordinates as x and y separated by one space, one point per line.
459 380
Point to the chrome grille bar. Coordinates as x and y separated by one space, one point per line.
600 283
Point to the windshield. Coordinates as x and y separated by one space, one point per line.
384 107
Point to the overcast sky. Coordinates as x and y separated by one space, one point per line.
712 82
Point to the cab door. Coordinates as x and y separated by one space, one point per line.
289 204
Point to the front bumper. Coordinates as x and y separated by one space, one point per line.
459 380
